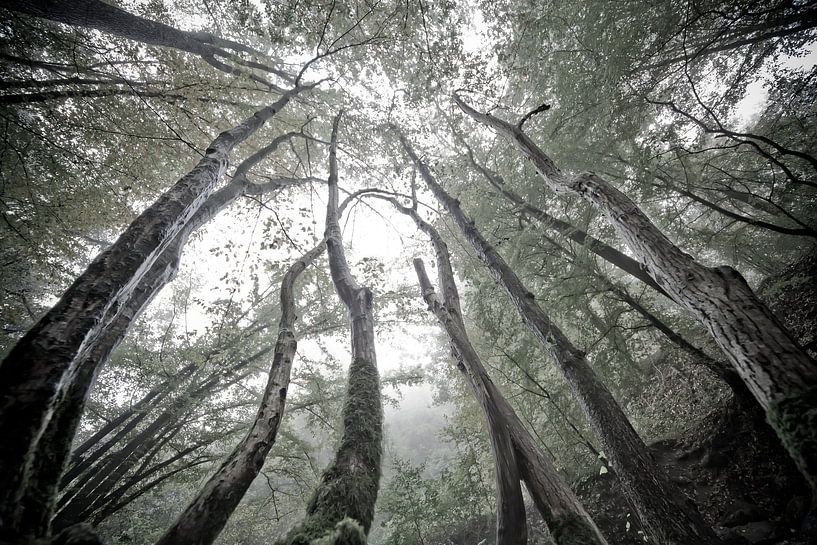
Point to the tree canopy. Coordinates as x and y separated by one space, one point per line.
616 202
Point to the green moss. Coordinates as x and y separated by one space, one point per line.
348 489
794 418
573 530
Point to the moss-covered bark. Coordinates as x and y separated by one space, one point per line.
348 487
794 418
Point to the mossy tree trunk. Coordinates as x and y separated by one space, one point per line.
342 507
38 372
779 373
54 446
666 514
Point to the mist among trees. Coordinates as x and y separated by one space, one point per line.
408 273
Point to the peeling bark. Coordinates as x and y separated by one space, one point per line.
206 515
768 359
667 517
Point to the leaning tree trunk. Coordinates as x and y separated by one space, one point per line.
511 526
780 374
54 446
342 507
601 249
206 515
88 493
665 513
562 511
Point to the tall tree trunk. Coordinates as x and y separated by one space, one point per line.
564 514
87 493
54 446
511 526
206 515
667 517
780 374
345 497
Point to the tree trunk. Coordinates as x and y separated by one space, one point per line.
564 514
666 516
604 251
511 526
780 374
206 515
54 446
88 492
107 18
345 497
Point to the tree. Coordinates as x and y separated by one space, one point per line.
343 503
657 501
778 372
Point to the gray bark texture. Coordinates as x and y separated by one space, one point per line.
38 372
668 518
601 249
779 373
511 526
556 502
205 516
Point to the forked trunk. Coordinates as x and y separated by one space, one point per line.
511 526
564 514
342 507
54 447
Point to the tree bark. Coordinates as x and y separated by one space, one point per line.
205 516
102 16
345 497
560 508
601 249
667 517
87 493
780 374
511 526
54 447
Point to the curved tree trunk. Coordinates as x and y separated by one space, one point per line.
665 514
780 374
54 446
342 506
206 515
